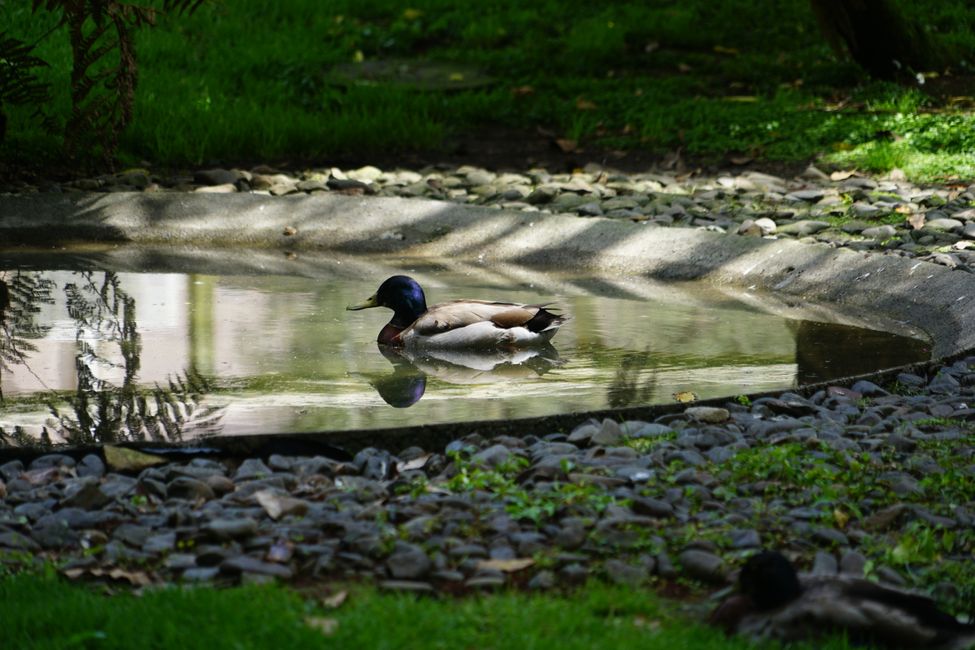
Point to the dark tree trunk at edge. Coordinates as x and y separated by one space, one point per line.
877 36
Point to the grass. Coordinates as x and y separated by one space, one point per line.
249 81
41 611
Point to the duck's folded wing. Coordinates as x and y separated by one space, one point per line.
461 313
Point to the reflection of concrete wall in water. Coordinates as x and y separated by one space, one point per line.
164 342
827 351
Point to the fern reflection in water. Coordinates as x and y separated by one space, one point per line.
21 295
101 410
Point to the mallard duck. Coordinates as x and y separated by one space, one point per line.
459 323
773 602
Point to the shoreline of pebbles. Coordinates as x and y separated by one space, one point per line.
888 215
685 496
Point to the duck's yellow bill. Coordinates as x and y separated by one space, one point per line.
370 302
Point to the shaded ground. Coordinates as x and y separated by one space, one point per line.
494 147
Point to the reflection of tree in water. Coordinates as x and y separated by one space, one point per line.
628 386
101 410
108 412
20 298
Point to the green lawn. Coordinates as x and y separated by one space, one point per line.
41 611
254 81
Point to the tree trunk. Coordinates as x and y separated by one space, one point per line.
876 36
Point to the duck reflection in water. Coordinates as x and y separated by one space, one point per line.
405 385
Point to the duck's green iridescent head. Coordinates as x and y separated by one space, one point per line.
400 293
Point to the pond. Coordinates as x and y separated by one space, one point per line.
91 352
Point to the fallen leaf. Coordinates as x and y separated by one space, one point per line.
651 46
741 99
335 600
289 231
685 396
721 49
134 578
917 221
585 104
325 625
276 505
123 459
417 463
841 175
456 76
411 14
903 208
566 145
683 67
840 517
507 566
41 476
740 160
522 91
641 621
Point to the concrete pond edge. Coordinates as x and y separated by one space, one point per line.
886 291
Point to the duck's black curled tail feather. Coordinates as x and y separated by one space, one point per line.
544 320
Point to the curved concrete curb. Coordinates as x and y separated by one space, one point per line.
872 288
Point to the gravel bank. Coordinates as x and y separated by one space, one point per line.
845 480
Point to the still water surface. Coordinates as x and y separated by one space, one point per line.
98 355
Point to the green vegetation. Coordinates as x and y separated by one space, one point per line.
40 611
538 504
250 81
835 482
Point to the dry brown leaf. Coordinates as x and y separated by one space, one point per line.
585 104
523 91
123 459
566 145
721 49
903 208
740 160
41 476
683 67
323 624
276 505
917 221
840 517
841 175
642 621
335 600
507 566
289 231
417 463
685 396
134 578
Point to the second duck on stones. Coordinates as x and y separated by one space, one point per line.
773 602
473 324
